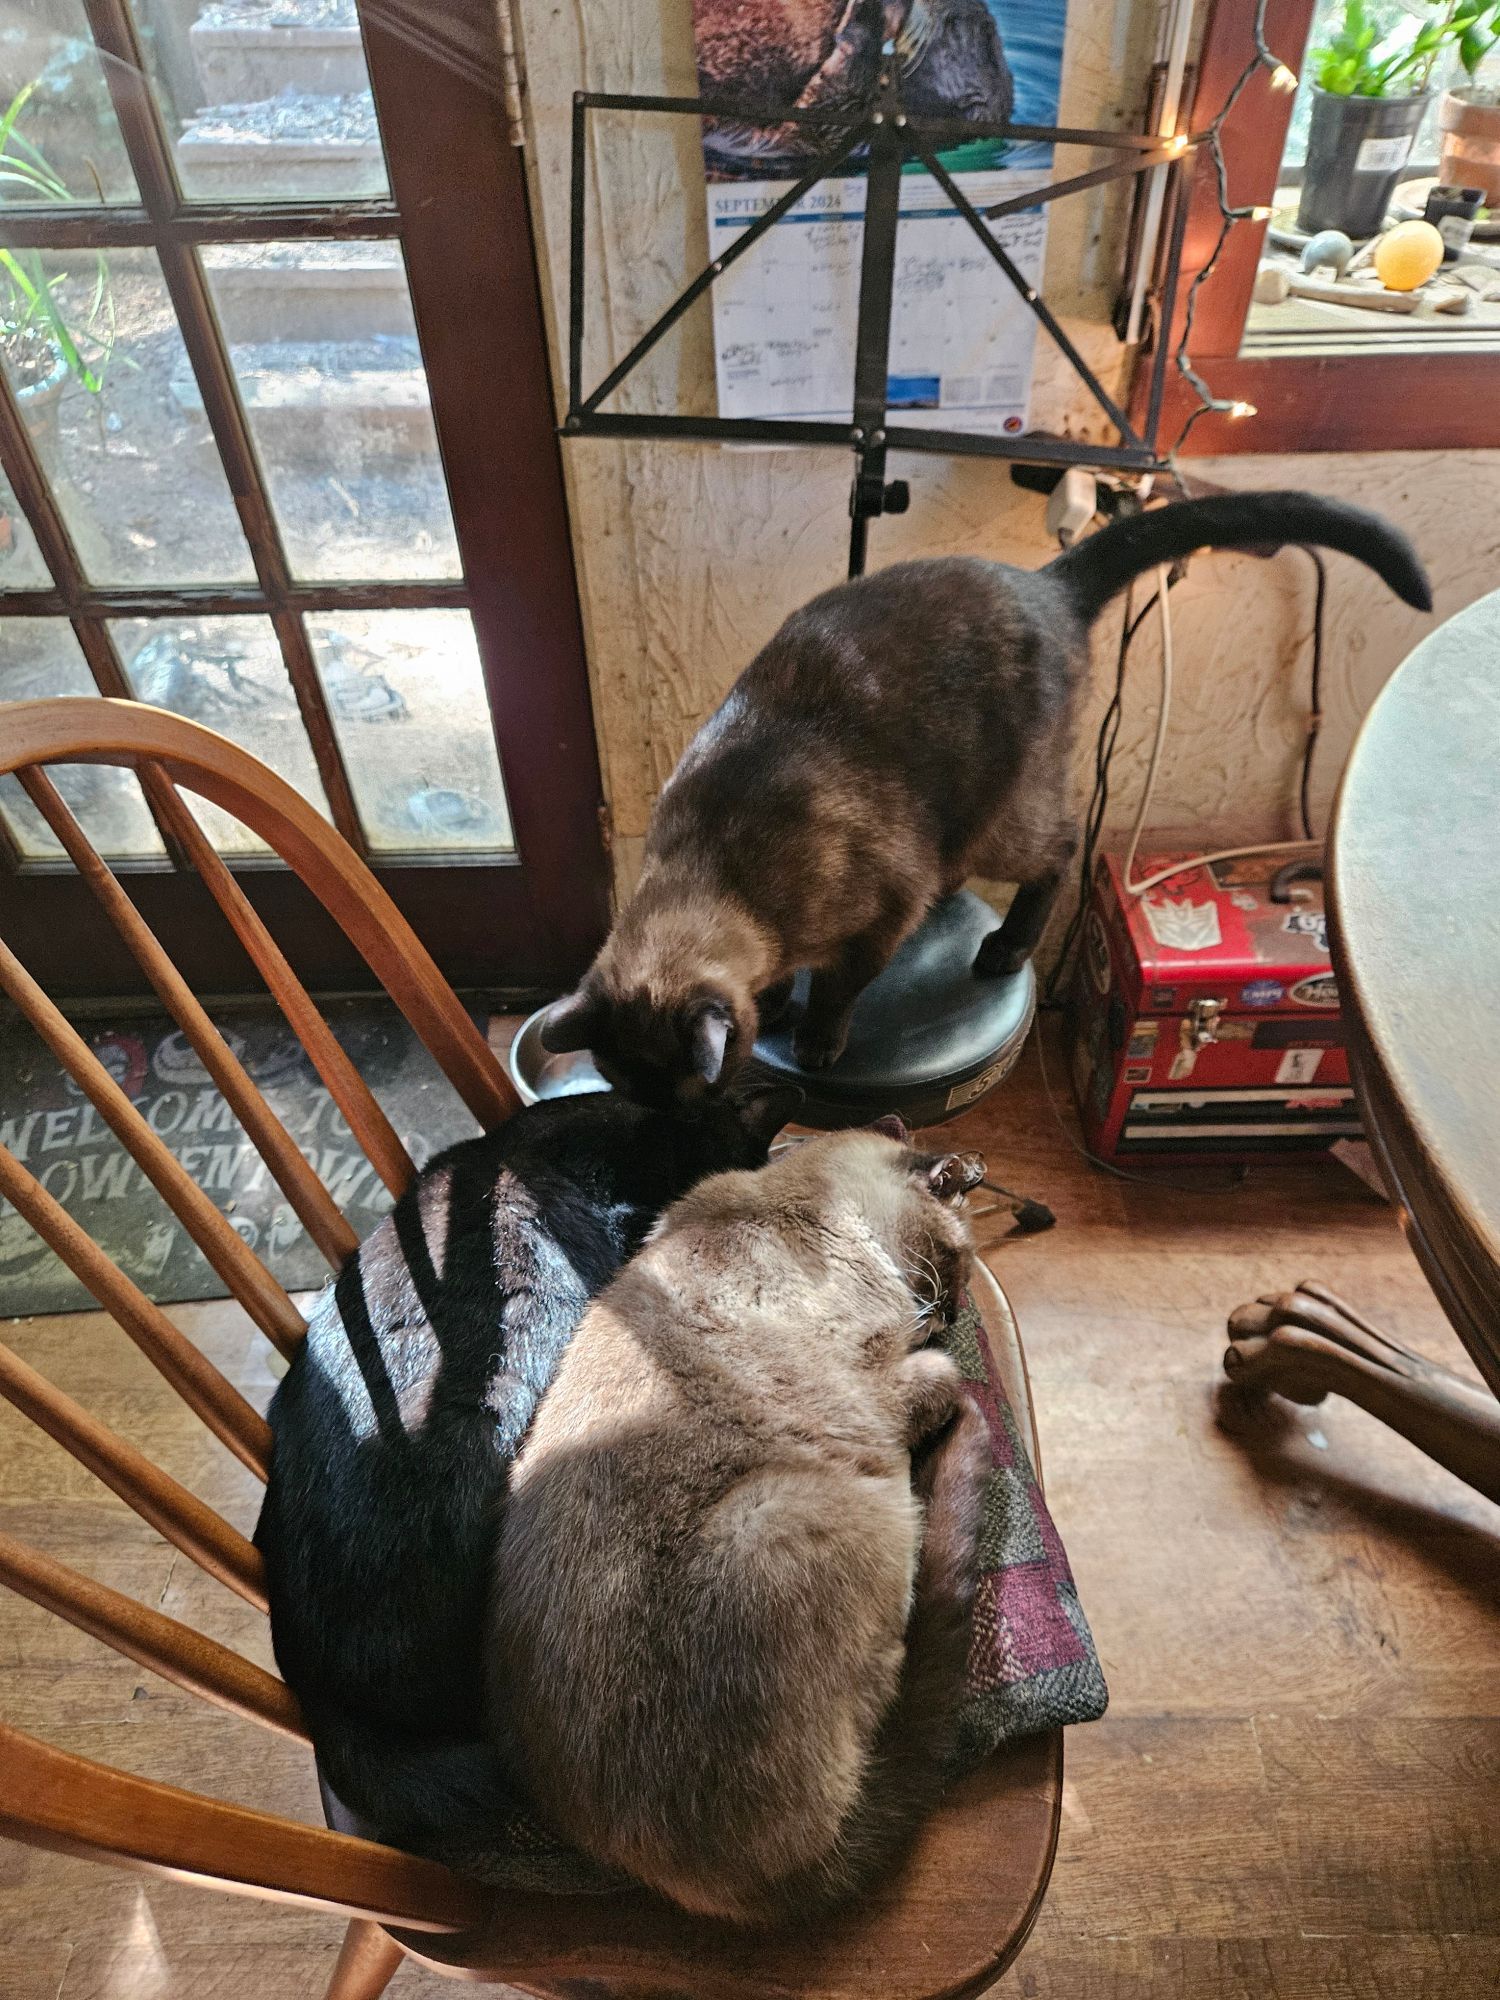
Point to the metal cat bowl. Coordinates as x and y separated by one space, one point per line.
537 1073
928 1039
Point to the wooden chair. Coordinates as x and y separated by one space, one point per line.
946 1924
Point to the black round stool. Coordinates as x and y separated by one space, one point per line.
928 1038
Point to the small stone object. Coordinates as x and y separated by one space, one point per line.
1329 246
1408 255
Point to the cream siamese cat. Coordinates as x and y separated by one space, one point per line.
897 735
724 1655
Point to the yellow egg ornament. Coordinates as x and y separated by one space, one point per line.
1407 256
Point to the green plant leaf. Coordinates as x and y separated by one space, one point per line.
34 298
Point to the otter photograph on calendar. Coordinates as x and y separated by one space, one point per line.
962 338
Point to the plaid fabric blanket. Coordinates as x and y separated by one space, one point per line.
1032 1663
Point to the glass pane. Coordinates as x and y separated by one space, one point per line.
228 674
63 144
21 565
267 99
40 657
325 348
409 707
119 425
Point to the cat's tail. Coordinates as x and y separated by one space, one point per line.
433 1795
914 1751
1093 570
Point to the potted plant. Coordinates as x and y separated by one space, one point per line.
1469 117
1370 94
42 343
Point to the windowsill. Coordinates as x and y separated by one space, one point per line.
1301 327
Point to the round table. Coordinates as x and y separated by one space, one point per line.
1414 909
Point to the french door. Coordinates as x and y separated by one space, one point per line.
278 452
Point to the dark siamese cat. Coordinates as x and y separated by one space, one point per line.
899 734
727 1637
396 1426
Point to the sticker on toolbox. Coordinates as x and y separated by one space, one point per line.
1164 997
1143 1040
1322 990
1262 993
1285 1032
1299 1065
1138 1072
1234 1031
1309 923
1247 871
1183 926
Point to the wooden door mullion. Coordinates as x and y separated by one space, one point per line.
150 154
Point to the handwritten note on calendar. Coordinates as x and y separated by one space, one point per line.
962 338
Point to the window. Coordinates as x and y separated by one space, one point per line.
241 484
1321 373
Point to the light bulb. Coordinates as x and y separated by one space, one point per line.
1178 144
1260 213
1283 78
1238 409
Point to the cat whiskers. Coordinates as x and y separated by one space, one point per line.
926 1288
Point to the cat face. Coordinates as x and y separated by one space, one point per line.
935 1245
902 1203
665 1052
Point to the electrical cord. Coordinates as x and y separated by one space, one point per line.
1314 692
1134 888
1104 749
1163 712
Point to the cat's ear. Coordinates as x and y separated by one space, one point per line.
571 1023
707 1027
762 1113
953 1174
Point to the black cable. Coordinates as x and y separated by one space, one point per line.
1315 691
1098 807
1031 1216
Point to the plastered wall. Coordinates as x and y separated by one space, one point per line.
690 555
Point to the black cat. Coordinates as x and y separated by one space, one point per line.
396 1426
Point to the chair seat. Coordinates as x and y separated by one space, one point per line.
927 1038
947 1922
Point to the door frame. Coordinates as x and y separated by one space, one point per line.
458 208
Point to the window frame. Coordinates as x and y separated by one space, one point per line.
1303 403
457 206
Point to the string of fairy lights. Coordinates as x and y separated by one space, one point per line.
1283 79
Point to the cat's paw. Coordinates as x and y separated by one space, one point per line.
951 1481
997 960
932 1388
818 1048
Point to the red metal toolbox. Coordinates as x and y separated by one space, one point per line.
1204 1018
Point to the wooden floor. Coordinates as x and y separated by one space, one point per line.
1296 1792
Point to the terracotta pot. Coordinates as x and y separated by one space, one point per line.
1471 145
